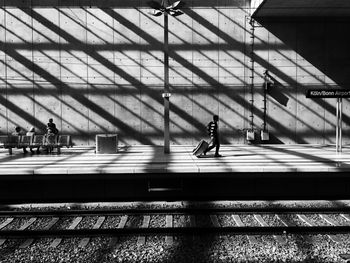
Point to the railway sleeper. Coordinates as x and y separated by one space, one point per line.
249 230
280 239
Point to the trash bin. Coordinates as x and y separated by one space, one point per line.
106 143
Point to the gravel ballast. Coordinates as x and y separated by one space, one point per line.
199 248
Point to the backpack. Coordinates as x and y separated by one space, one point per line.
50 139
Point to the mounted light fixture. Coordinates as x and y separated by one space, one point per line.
172 9
165 6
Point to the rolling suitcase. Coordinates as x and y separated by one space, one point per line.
201 147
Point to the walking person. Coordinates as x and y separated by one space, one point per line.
213 131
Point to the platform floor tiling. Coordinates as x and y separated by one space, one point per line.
151 159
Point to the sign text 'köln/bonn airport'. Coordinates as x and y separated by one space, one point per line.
328 93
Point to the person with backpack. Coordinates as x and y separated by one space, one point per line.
213 132
51 126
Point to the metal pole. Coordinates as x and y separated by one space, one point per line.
265 102
337 128
166 87
340 124
252 76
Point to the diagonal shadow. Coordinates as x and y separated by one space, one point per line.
262 62
154 94
180 74
177 57
19 111
12 157
197 103
184 62
215 81
241 46
145 47
267 156
200 87
14 90
58 161
281 29
157 45
76 94
307 156
41 88
278 94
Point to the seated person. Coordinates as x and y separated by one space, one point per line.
50 140
52 126
18 132
31 132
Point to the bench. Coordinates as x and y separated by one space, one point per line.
23 141
3 140
64 141
50 142
11 142
38 140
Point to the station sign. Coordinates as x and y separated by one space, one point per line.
328 93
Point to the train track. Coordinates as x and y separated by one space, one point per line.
48 224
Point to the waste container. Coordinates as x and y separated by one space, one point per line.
106 143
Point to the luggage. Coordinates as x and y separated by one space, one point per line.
201 147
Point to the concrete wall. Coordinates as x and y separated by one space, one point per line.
97 67
306 54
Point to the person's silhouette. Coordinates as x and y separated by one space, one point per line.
213 131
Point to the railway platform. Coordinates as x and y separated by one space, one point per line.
142 172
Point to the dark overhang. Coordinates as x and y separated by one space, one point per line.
300 8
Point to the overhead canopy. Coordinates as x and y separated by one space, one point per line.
300 8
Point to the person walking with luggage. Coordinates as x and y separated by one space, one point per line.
213 131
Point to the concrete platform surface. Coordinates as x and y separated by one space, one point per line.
143 159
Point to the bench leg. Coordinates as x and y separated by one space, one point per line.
10 151
58 150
